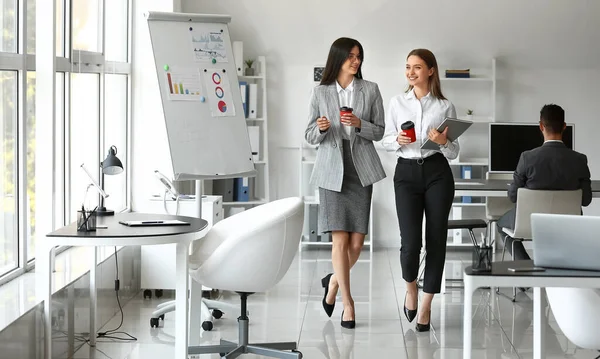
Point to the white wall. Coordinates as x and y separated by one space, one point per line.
546 52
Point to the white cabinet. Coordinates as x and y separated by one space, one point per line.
212 209
158 262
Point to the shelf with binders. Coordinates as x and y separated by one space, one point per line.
464 207
253 92
478 94
247 191
240 194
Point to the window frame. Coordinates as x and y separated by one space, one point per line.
71 61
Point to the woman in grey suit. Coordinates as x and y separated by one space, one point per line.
347 164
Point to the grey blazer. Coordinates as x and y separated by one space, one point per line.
328 172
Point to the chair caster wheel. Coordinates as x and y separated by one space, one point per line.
162 317
217 314
222 354
158 293
148 294
153 322
207 326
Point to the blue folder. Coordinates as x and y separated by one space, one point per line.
241 191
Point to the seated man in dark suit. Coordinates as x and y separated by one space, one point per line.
552 166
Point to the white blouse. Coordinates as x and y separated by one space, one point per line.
345 95
427 113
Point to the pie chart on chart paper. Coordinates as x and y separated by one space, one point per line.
222 106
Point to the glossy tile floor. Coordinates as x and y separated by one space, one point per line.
292 312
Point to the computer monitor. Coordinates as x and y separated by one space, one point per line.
509 140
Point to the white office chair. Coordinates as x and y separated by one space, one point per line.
538 201
247 253
495 207
577 312
209 308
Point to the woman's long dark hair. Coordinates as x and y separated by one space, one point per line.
434 80
338 54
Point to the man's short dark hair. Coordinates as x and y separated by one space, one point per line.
553 118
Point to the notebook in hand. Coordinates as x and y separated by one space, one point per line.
148 223
456 128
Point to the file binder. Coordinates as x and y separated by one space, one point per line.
466 174
241 192
252 100
224 188
254 133
244 93
238 57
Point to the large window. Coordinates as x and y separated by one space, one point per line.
8 25
38 172
115 134
84 146
92 114
87 17
116 33
8 196
60 20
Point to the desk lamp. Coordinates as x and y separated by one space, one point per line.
111 166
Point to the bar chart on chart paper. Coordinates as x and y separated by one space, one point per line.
183 84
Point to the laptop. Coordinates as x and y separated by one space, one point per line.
566 241
152 223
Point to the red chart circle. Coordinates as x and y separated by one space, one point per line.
222 106
216 78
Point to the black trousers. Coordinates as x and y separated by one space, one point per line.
424 186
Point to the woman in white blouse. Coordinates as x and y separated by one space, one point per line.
423 180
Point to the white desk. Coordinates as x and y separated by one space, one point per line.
501 277
496 188
119 235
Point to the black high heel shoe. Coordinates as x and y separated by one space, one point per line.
348 324
328 307
410 313
424 327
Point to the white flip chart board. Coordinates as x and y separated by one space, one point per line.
202 105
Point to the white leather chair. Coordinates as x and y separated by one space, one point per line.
209 308
577 312
495 207
539 201
247 253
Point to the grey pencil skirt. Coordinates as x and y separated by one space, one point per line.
349 209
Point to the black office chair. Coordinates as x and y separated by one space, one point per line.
468 224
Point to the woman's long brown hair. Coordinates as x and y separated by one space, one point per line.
434 80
